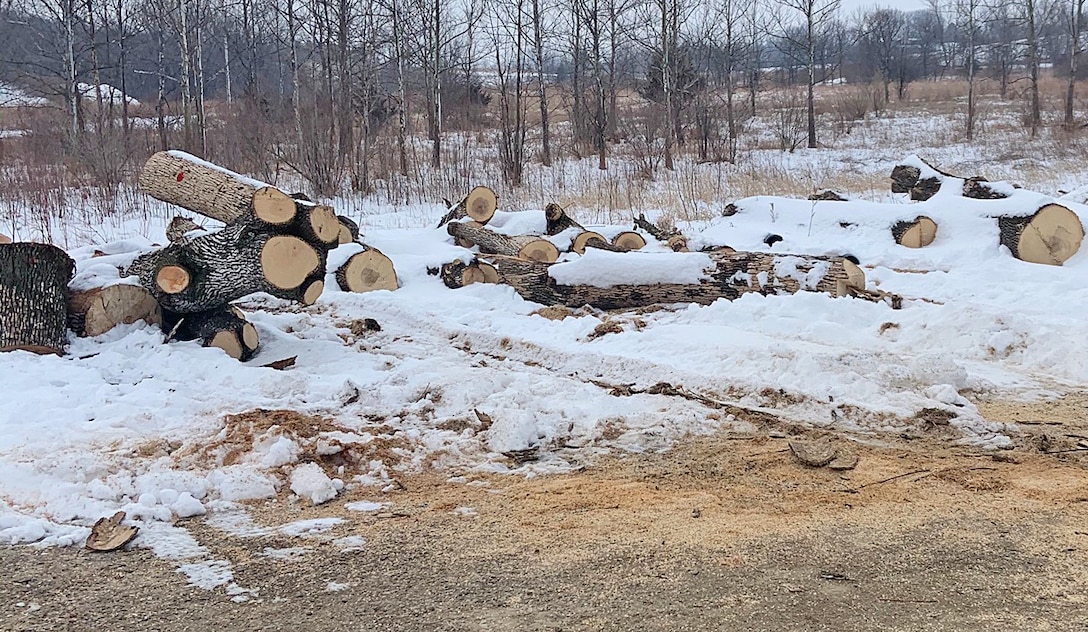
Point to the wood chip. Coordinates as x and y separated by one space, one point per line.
280 365
813 453
523 456
845 459
108 534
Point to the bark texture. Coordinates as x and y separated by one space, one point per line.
224 327
34 297
1049 236
558 220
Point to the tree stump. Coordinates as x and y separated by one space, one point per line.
1049 236
34 297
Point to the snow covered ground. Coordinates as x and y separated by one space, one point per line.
165 431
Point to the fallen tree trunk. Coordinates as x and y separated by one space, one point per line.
224 327
94 312
1050 236
490 242
558 220
672 238
367 271
203 272
723 275
479 205
917 233
34 297
922 180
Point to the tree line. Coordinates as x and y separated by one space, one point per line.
349 91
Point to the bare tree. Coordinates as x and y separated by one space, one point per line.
882 39
1074 22
967 14
815 16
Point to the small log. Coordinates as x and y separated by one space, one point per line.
458 274
200 273
909 179
727 275
672 238
918 233
629 240
179 227
367 271
349 230
479 205
589 238
34 297
827 195
224 327
1050 236
524 246
558 220
94 312
213 191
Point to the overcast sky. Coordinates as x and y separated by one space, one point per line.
849 6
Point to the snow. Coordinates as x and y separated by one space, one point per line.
109 94
13 96
124 421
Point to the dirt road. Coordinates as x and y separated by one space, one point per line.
726 533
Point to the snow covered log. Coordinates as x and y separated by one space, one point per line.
224 327
366 271
523 246
922 180
94 312
624 280
672 238
629 240
479 205
591 239
179 227
203 272
917 233
34 297
558 220
1050 236
458 274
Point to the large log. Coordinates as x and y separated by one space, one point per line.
490 242
94 312
213 191
922 180
203 272
1050 236
725 275
224 327
479 205
367 271
34 297
917 233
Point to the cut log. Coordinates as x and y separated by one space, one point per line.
524 246
1050 236
923 181
4 239
96 311
34 297
917 233
224 327
349 230
465 242
213 191
672 237
726 275
491 273
479 205
316 224
629 240
827 195
558 220
367 271
458 274
206 271
179 227
582 239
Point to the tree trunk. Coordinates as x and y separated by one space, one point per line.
96 311
523 246
458 274
479 204
224 327
34 297
725 275
366 270
1050 236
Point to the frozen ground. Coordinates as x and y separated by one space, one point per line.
165 432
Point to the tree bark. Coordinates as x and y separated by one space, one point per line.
224 327
908 179
34 297
727 275
179 227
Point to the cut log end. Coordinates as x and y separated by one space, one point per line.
465 242
349 230
629 240
313 292
678 243
249 337
367 271
491 273
1051 236
540 250
94 312
481 203
578 244
325 225
227 341
918 233
273 206
855 276
287 261
472 274
172 279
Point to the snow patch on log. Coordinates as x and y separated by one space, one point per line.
253 182
787 267
601 268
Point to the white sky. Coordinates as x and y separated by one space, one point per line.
849 6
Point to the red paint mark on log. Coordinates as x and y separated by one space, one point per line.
181 176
